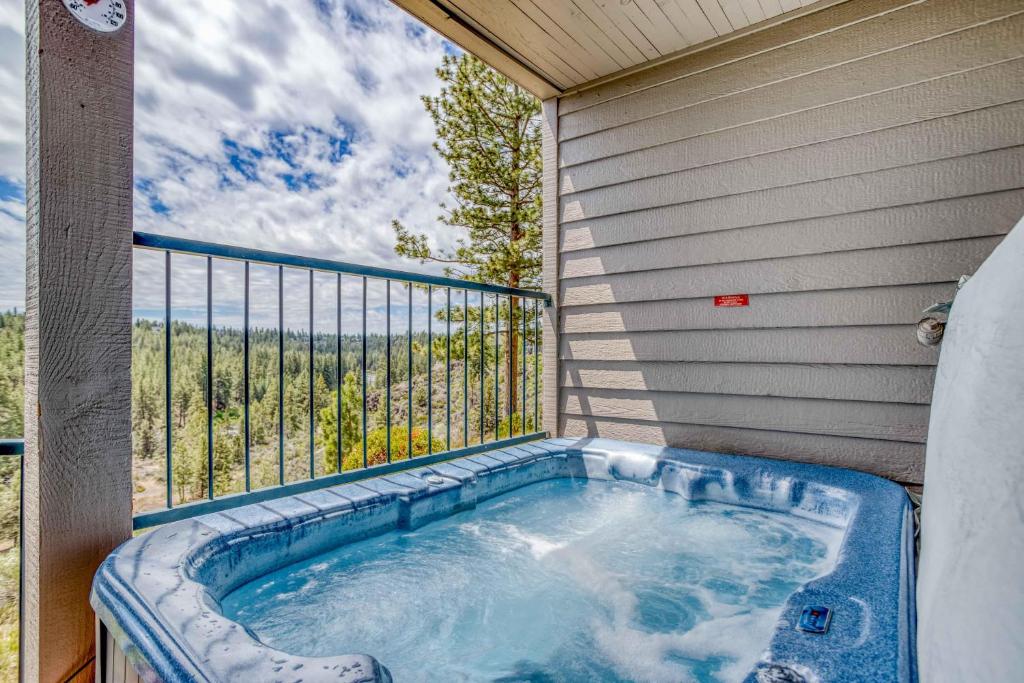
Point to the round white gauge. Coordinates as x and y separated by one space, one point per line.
100 15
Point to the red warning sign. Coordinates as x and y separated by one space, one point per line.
732 300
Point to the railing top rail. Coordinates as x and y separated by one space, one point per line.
12 447
186 246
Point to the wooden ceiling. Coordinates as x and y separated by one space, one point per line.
552 46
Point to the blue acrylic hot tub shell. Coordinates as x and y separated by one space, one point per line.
158 594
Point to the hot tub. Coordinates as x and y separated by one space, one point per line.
557 560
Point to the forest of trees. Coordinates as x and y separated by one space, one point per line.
189 405
12 394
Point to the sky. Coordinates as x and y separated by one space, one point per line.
285 125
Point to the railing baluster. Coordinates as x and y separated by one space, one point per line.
465 367
448 371
245 380
312 423
387 373
482 368
169 465
497 365
364 373
522 396
209 376
280 374
509 379
408 362
430 369
536 365
338 375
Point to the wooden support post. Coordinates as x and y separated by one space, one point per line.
77 496
550 225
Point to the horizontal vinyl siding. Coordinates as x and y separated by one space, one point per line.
976 174
886 383
869 344
909 264
823 308
902 460
844 169
946 219
893 421
951 137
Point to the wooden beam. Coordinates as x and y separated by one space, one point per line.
449 23
77 486
550 241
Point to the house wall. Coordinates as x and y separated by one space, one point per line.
843 169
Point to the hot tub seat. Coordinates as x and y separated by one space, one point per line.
158 594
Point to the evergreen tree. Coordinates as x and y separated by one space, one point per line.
488 131
12 379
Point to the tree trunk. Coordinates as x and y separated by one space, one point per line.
512 347
512 359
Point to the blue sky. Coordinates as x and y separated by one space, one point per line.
289 126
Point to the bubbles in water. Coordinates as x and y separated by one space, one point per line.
559 581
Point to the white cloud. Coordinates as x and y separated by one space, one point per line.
291 127
12 246
12 153
12 91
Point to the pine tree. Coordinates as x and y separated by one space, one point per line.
488 131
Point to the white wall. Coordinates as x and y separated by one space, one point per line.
970 593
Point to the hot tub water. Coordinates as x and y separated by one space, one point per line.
563 580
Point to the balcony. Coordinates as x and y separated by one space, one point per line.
747 209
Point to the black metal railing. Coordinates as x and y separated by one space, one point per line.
500 310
